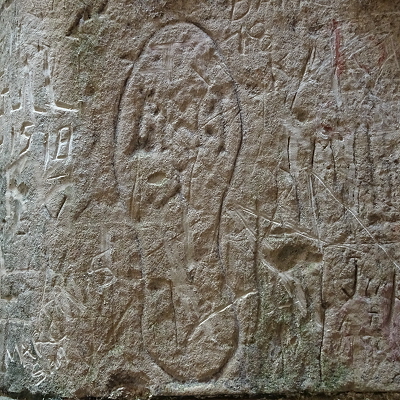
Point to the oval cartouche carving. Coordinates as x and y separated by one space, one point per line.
178 137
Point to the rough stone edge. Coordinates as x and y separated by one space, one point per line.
282 396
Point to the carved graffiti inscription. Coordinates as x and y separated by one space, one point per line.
199 208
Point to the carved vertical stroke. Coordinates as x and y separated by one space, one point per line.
178 135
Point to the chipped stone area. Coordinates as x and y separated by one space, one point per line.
200 198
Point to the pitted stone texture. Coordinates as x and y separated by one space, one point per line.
199 198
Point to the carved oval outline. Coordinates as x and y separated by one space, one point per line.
193 358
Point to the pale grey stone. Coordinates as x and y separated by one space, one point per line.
199 198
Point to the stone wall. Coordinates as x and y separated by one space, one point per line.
199 197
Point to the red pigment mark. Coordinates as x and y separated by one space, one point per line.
331 133
338 62
383 54
363 66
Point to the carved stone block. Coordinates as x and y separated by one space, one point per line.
199 198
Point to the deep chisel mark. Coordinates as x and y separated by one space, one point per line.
80 17
303 74
392 299
314 211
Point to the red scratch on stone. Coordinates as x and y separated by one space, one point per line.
338 61
383 55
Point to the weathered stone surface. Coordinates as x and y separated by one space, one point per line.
199 198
